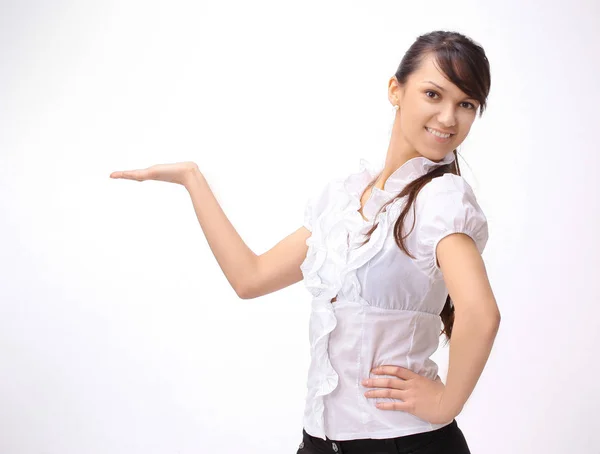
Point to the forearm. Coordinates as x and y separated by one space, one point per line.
234 257
470 346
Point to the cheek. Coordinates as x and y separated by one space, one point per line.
413 124
465 122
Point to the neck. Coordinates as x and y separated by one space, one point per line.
398 153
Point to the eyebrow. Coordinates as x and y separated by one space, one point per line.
443 89
433 83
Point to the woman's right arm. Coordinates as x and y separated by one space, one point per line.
250 275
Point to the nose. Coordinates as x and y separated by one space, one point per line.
447 117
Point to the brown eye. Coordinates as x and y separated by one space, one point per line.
431 91
470 104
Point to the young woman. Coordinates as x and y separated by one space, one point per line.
388 256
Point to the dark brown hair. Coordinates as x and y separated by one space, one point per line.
465 64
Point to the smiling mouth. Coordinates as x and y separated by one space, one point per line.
438 134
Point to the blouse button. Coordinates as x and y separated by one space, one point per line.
334 446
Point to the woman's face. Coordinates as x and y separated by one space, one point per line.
430 101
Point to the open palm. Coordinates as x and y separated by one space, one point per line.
171 173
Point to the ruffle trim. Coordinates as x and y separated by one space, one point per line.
327 244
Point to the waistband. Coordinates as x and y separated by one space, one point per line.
405 442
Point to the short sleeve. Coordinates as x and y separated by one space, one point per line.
447 205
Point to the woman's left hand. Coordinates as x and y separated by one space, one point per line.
416 394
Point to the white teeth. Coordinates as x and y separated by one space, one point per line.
439 134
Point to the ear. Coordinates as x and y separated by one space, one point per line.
395 92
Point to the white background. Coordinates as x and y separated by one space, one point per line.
119 332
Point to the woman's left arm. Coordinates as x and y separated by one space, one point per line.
476 322
476 317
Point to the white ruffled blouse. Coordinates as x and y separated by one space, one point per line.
387 304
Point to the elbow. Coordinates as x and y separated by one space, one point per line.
493 321
244 293
488 321
245 285
496 317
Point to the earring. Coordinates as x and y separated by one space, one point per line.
396 108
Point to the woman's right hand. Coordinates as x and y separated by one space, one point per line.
178 173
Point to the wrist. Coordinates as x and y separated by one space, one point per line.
191 175
448 408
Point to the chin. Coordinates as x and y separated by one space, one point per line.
435 155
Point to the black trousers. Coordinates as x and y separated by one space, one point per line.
447 440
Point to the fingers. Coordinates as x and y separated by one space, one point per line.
393 383
398 406
400 372
389 393
401 402
138 175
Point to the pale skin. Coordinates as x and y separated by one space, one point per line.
477 318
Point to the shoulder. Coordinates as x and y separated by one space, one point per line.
447 204
446 185
450 194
